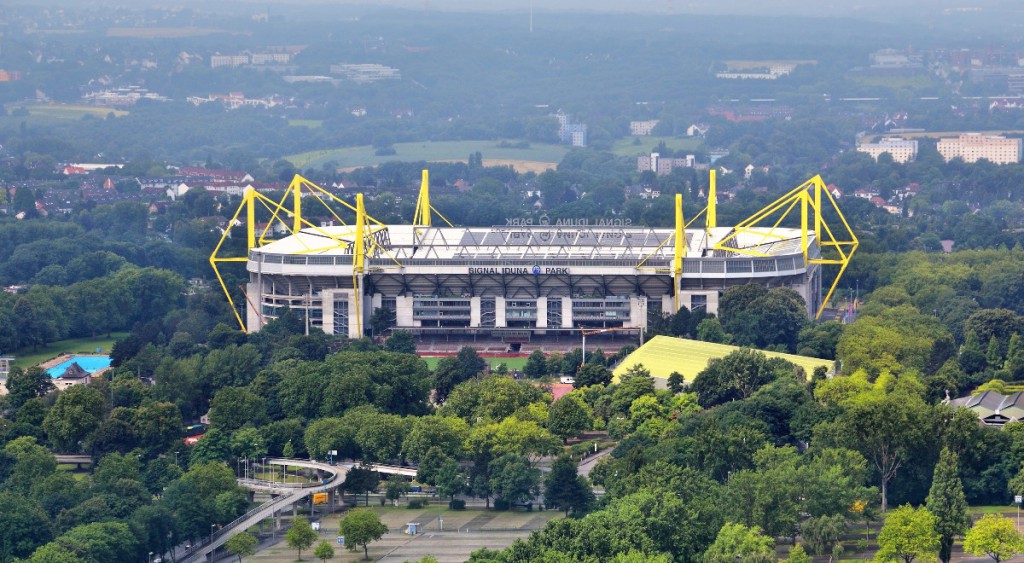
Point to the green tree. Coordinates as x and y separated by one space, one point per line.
401 341
243 544
908 534
947 502
736 542
77 412
565 489
710 330
676 383
536 365
24 526
569 416
449 479
798 555
324 551
822 534
994 536
592 374
360 527
447 433
885 430
301 535
396 488
25 384
512 479
972 357
1015 357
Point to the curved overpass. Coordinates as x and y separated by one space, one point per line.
288 494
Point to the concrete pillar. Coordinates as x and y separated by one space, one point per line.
403 311
499 312
542 312
567 312
252 316
637 311
668 304
474 311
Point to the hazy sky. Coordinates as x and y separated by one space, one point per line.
870 9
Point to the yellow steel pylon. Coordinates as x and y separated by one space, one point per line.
361 235
809 197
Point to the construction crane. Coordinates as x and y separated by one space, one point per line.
586 333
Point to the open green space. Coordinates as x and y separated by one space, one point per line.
351 157
311 123
29 357
512 363
66 111
639 146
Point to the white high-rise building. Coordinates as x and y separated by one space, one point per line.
972 147
901 150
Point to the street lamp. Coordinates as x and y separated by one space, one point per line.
176 459
212 526
150 560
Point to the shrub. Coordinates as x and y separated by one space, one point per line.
501 504
457 504
417 503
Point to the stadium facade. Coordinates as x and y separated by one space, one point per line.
516 281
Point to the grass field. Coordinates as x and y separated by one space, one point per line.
29 357
629 147
512 363
311 123
67 111
351 157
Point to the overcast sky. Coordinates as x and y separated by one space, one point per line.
869 9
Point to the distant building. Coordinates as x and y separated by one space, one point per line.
217 61
992 408
901 150
697 130
574 134
662 166
640 128
363 73
6 362
972 147
270 58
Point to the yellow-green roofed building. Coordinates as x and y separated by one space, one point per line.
663 355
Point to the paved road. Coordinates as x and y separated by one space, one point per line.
585 467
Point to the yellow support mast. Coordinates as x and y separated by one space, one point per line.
365 230
421 217
712 211
761 227
679 251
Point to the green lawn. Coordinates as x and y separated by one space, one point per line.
429 151
29 357
512 363
983 510
66 111
628 146
311 123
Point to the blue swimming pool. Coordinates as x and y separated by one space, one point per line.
91 364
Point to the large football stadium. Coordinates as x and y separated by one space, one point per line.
520 281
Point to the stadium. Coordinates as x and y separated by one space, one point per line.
520 282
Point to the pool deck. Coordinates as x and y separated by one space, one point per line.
66 357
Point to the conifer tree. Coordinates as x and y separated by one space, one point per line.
947 502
